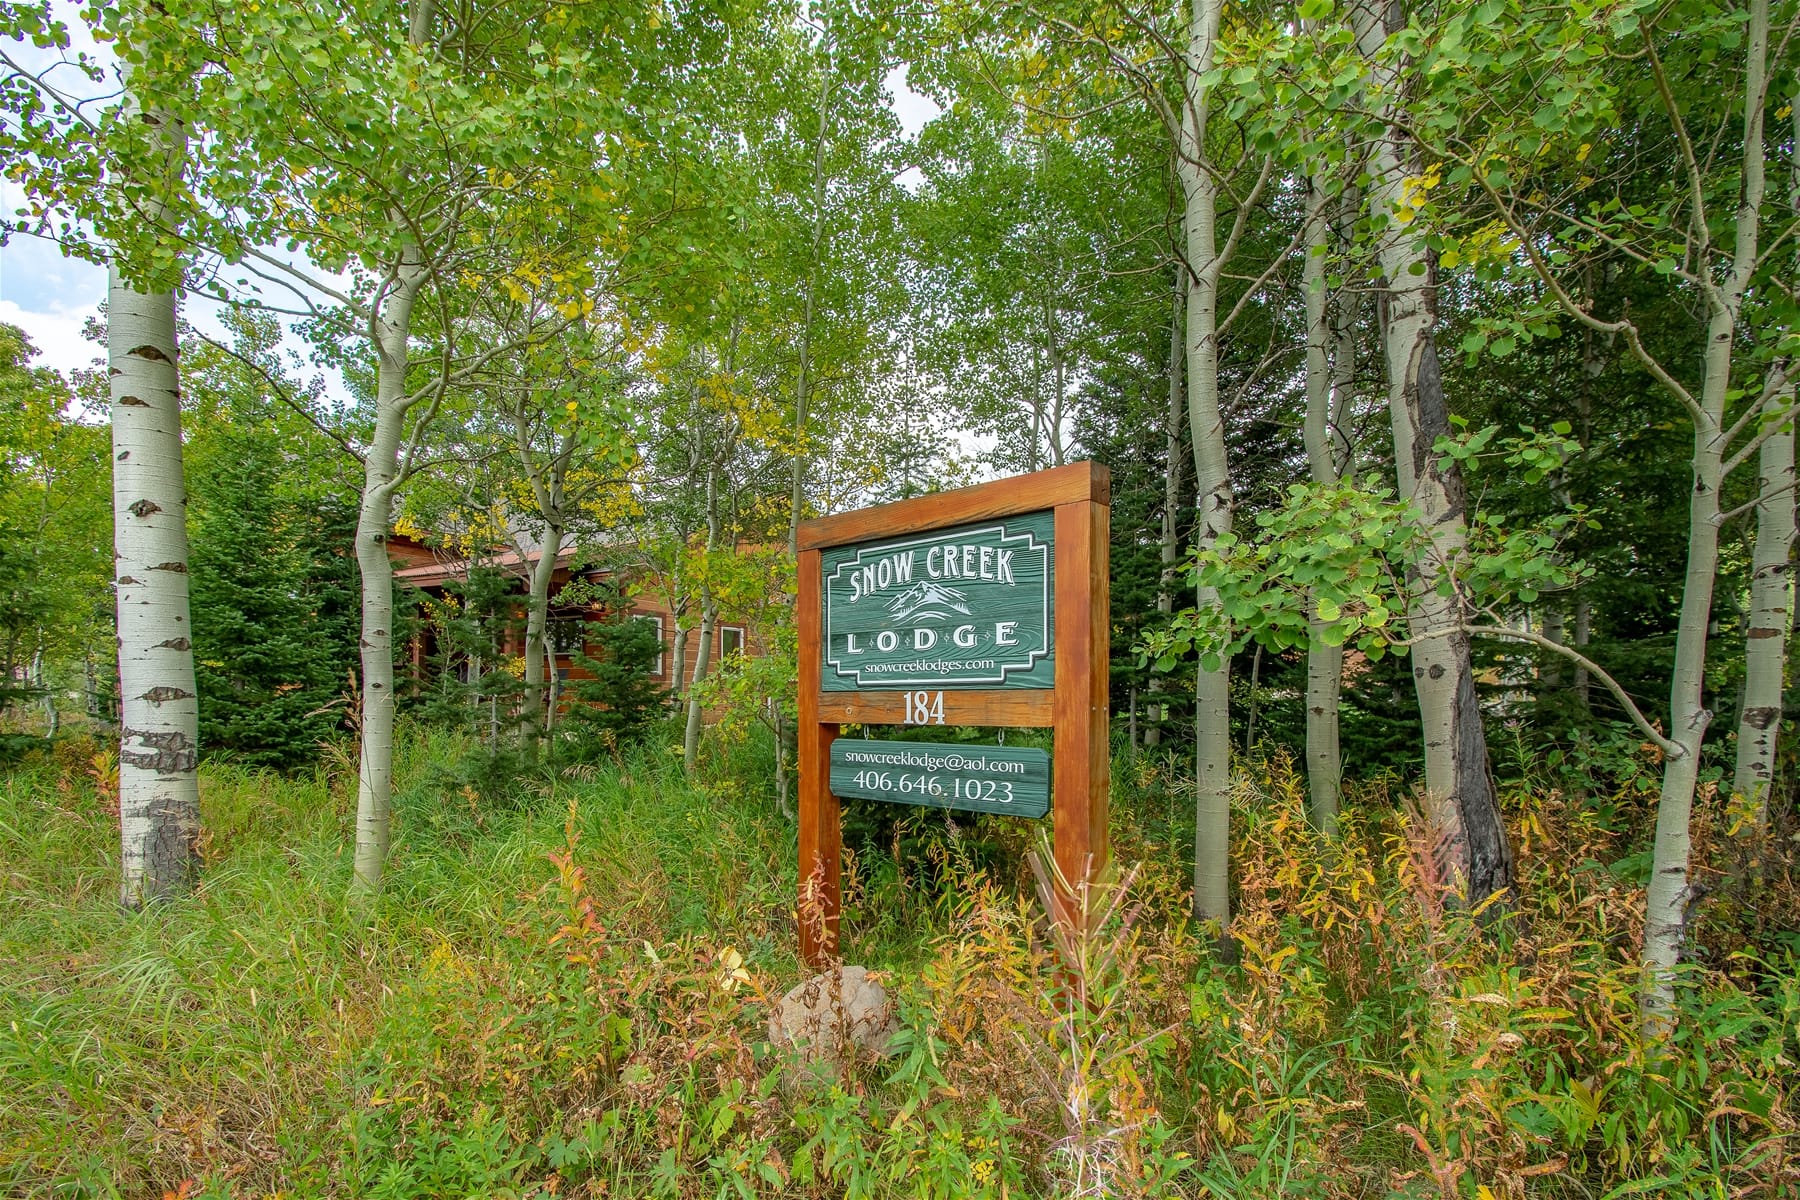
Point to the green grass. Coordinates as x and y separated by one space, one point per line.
540 1004
239 1023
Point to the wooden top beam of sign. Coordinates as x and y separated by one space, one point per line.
1017 709
1004 498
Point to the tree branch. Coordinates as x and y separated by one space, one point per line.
1672 749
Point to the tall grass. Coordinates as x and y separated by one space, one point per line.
543 1002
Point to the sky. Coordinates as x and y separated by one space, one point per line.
51 296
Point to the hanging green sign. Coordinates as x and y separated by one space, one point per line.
1013 781
970 607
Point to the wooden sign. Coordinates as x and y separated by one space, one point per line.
1011 781
983 606
970 607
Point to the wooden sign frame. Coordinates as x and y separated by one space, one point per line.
1076 708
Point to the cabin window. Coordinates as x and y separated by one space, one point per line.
568 635
731 640
656 668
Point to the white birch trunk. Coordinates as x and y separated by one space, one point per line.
552 690
1669 896
1460 801
678 648
1771 587
1771 619
1324 663
381 476
696 715
1212 480
391 332
159 786
538 650
709 619
1173 453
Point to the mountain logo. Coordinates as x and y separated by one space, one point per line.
926 600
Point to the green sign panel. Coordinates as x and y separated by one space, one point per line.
1014 782
971 607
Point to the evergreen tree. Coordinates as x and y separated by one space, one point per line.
274 603
621 699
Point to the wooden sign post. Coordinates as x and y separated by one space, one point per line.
988 605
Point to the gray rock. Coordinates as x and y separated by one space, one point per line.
830 1015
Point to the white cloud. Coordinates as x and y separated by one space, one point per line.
56 334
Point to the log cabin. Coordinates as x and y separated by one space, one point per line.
432 571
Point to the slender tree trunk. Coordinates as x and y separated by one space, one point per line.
678 648
1556 628
1058 382
1668 899
709 619
1173 454
1584 632
159 734
381 476
1212 479
1669 896
1460 799
1324 661
40 679
1771 618
391 327
552 689
690 742
537 642
1771 585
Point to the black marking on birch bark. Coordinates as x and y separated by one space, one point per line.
1436 671
160 694
128 581
144 508
115 371
149 352
1433 423
131 402
1761 717
179 643
1490 853
179 568
164 751
124 454
1763 631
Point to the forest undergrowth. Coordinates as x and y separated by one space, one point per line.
564 990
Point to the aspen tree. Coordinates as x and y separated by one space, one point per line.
1669 896
1771 582
1459 792
159 733
803 383
1212 476
1598 60
159 730
1173 452
1330 371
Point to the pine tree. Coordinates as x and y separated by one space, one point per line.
274 596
